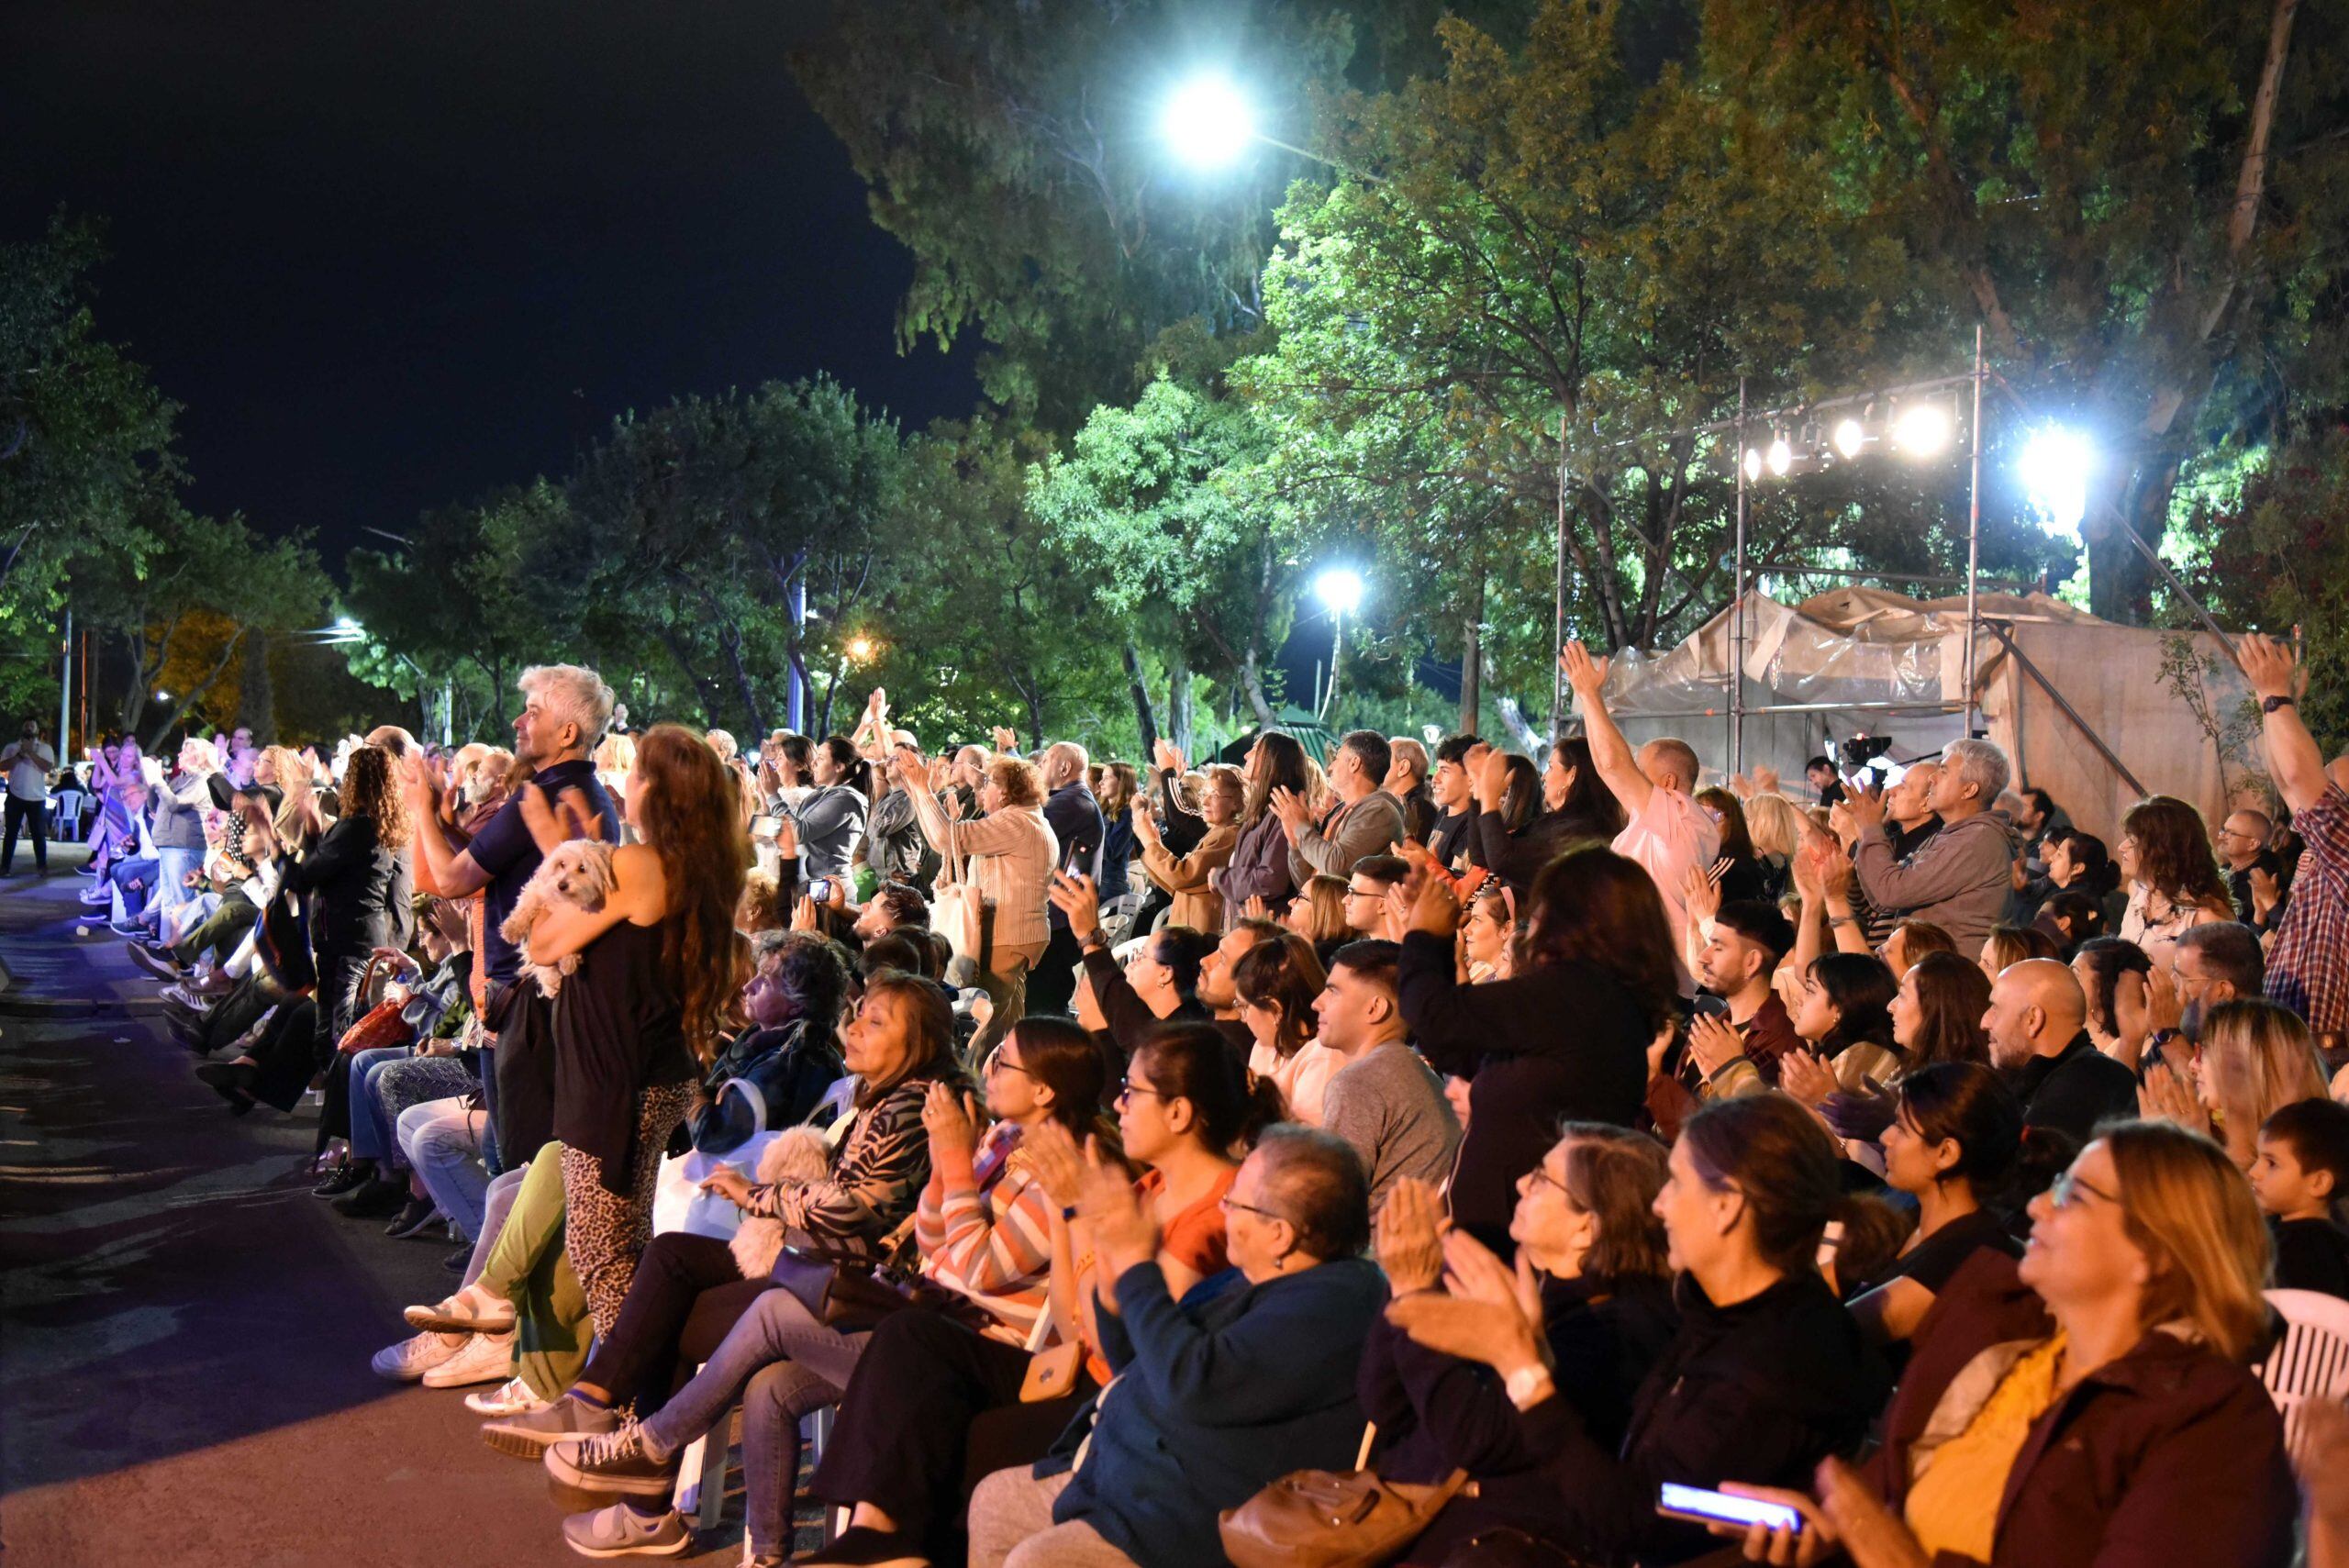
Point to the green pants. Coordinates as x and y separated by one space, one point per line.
530 1266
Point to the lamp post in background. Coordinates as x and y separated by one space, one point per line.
1338 588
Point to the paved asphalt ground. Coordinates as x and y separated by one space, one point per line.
184 1330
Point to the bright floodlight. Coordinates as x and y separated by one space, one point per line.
1782 456
1340 588
346 626
1850 438
2054 469
1923 430
1208 123
1753 463
860 647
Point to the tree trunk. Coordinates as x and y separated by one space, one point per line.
1251 684
1145 722
256 698
1178 701
749 692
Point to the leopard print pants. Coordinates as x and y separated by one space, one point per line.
604 1232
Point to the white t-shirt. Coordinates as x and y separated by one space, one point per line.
1668 836
29 766
1303 1078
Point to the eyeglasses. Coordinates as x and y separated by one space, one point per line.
1541 1173
995 1063
2062 1193
1365 893
1128 1091
1227 1203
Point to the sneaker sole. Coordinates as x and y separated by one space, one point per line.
562 1471
489 1412
678 1548
443 1323
499 1373
522 1444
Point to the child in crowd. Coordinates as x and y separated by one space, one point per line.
2302 1166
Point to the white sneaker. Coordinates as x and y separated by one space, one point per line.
417 1354
511 1397
486 1358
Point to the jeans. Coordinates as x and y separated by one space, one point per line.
20 815
782 1365
134 885
172 869
371 1132
497 1202
441 1139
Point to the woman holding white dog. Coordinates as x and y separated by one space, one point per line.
643 1010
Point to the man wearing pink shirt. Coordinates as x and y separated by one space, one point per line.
1668 833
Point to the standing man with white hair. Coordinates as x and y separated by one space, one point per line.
565 709
1077 822
1959 878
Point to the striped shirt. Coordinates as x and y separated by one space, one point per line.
991 1240
877 1172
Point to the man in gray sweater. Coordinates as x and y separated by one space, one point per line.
1385 1101
1959 878
1364 820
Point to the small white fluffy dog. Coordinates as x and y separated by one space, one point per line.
579 872
800 1154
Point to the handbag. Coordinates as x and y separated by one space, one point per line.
1332 1519
960 913
383 1027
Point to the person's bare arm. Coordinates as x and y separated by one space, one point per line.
437 868
1611 754
638 893
2293 760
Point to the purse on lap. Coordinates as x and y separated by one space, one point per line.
1332 1519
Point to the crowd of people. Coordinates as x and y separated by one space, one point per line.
1105 1142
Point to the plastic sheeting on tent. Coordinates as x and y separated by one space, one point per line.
1838 655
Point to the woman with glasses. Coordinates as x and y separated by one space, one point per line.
1766 1375
1585 1224
1183 1105
2091 1404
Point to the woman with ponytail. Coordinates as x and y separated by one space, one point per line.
831 819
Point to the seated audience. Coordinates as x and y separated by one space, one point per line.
1585 1224
2298 1177
2091 1404
1953 1140
1215 1399
1383 1101
2037 1025
1279 984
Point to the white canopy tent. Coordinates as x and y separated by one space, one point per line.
2082 706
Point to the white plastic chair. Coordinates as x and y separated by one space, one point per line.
2311 1359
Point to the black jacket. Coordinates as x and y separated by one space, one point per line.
2075 1089
1517 858
787 1071
358 889
1759 1392
1437 1413
1561 1042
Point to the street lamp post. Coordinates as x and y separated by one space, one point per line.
1339 589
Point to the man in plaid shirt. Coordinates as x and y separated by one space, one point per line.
2308 966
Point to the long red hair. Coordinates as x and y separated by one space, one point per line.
686 814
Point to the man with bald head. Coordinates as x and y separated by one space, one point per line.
2039 1040
1074 818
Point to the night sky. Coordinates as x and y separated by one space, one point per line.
391 255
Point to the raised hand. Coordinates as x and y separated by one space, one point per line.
1410 1237
951 1121
1586 674
2269 665
1074 895
1005 740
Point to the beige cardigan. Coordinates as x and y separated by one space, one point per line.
1012 854
1196 904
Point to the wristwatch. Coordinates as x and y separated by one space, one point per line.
1527 1386
2269 704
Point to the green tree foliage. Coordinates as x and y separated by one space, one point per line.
1014 149
84 438
2143 204
209 581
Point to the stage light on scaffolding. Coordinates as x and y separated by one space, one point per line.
2056 465
1923 430
1753 463
1208 122
1782 456
1851 439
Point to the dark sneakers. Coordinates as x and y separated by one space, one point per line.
159 963
611 1461
415 1218
340 1180
526 1437
379 1198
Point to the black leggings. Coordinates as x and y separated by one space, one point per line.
688 1293
906 1440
